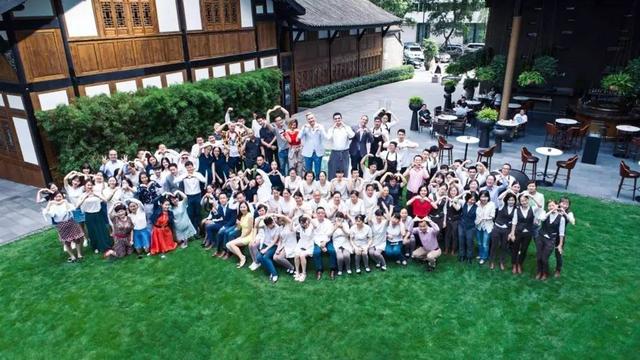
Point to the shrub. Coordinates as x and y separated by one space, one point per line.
127 122
621 83
633 69
494 72
470 83
532 77
416 101
468 62
324 94
546 66
487 114
430 49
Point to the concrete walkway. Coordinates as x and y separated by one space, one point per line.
21 215
600 180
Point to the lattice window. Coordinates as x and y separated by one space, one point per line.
8 144
221 14
126 17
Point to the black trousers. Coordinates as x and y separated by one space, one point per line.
355 162
558 257
268 154
519 247
451 236
544 248
498 244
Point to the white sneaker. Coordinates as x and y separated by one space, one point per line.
367 269
383 268
481 262
349 272
274 279
358 271
397 261
254 266
339 273
377 265
404 262
184 245
162 256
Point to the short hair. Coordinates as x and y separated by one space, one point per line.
188 163
337 114
340 171
403 131
173 165
393 143
360 217
268 221
354 192
262 206
320 208
116 208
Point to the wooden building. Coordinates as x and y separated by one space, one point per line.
56 50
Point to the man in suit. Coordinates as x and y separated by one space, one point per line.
360 143
223 217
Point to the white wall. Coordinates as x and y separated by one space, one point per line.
270 6
50 100
80 19
167 15
24 139
192 14
174 78
35 8
96 90
246 16
392 52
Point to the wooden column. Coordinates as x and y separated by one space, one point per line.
512 54
511 64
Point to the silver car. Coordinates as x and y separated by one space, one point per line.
443 57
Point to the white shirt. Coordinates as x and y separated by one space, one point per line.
340 137
191 182
361 236
484 216
60 212
322 231
404 152
110 167
520 119
139 219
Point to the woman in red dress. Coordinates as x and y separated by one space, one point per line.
162 233
421 203
292 135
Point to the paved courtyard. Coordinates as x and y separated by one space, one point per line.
22 216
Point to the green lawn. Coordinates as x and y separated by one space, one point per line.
190 306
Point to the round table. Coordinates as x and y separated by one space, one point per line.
514 106
520 98
473 102
445 117
466 140
548 152
511 125
625 132
567 122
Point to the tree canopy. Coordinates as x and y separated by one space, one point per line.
448 17
398 8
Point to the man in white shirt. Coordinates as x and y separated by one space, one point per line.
312 137
323 228
196 149
520 117
339 137
110 166
191 184
163 152
315 202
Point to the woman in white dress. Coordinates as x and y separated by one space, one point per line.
307 187
342 244
354 207
304 248
287 246
361 239
292 182
379 238
341 185
323 186
370 200
286 204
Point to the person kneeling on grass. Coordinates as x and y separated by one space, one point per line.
268 239
396 234
162 233
122 234
427 235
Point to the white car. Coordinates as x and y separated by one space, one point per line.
443 57
412 51
472 47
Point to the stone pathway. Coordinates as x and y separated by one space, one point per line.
21 215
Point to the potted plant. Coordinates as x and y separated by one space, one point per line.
486 119
430 50
620 83
450 86
469 85
530 78
415 103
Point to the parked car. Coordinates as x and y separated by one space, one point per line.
413 50
443 57
453 50
472 47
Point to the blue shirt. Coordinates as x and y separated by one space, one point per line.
312 140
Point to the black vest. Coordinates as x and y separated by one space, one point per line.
551 229
503 217
524 221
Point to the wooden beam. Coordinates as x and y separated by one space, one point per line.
59 11
334 36
298 35
384 30
364 31
182 21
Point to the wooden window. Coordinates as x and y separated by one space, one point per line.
126 17
221 14
8 143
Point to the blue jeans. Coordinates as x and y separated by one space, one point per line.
283 159
266 260
317 257
315 161
226 234
194 209
394 251
483 244
465 242
212 231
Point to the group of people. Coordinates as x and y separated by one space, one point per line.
262 188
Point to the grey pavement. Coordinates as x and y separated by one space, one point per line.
21 215
600 180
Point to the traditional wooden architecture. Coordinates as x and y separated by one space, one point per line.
56 50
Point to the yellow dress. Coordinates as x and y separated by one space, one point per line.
247 233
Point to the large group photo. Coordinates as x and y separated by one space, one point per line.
336 179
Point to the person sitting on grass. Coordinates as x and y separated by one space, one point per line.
141 233
162 233
268 239
427 236
122 233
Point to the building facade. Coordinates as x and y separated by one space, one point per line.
57 50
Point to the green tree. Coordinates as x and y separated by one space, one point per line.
398 8
448 17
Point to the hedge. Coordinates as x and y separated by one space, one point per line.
324 94
85 130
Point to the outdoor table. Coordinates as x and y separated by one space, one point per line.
473 102
563 125
625 133
466 140
513 106
548 152
446 117
520 98
511 126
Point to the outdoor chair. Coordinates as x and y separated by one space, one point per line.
486 154
528 158
568 165
627 173
459 125
443 145
551 134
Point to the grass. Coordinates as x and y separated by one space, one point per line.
192 306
